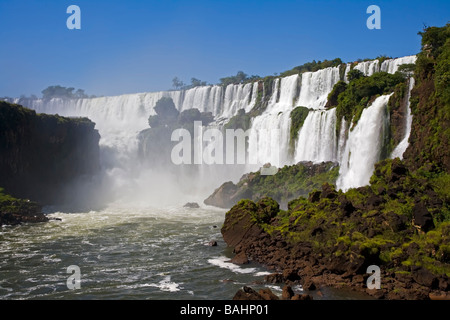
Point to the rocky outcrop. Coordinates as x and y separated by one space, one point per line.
331 238
228 194
41 155
191 205
16 211
288 183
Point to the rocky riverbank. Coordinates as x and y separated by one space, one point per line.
17 211
332 237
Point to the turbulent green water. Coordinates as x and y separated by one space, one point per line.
127 253
122 253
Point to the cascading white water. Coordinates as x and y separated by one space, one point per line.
317 140
272 125
391 65
364 144
120 118
368 67
316 86
401 147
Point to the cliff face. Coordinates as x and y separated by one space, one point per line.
430 103
40 155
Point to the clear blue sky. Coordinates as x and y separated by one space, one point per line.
127 46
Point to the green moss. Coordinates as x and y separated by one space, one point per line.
241 120
298 116
357 95
312 66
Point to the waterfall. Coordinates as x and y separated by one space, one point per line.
316 86
120 118
274 124
317 138
364 145
391 65
401 147
368 67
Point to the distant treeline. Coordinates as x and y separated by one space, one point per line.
57 92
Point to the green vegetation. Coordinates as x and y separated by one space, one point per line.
382 58
430 101
290 181
377 222
298 116
241 120
312 66
178 84
360 91
15 211
332 99
63 93
240 77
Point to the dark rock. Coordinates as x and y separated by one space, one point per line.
240 258
287 294
239 224
398 169
422 217
424 277
302 297
290 275
212 243
358 279
274 278
328 192
396 222
247 293
346 205
18 211
193 205
373 201
444 283
267 294
308 284
347 264
314 196
227 195
43 156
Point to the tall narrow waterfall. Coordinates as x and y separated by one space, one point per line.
317 139
364 144
401 147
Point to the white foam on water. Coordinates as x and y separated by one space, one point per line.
223 262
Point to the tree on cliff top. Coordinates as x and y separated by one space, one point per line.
63 93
